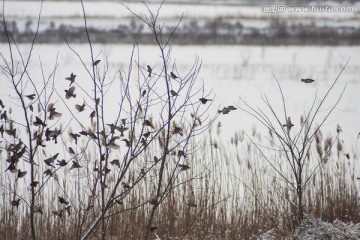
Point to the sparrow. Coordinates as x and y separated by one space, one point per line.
75 165
83 132
177 130
288 125
34 184
97 101
338 128
11 132
52 134
71 151
74 136
31 96
3 116
61 163
15 203
307 80
80 108
53 113
183 167
143 93
148 123
70 93
92 115
2 104
50 160
21 174
48 172
173 93
115 162
39 122
149 69
127 142
71 78
63 201
224 111
204 100
173 75
12 168
125 185
121 129
96 62
147 134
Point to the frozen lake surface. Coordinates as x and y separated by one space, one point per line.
233 72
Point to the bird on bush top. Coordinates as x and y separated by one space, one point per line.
149 69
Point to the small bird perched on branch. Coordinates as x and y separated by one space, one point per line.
75 165
307 80
149 69
173 75
148 123
50 160
96 62
173 93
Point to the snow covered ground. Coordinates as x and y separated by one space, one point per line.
313 228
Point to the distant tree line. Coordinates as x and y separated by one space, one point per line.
216 31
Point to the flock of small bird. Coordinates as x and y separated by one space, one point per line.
16 151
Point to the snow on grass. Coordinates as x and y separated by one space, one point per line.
314 228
